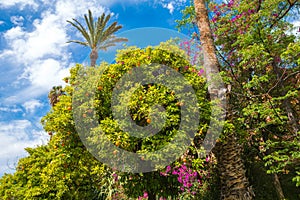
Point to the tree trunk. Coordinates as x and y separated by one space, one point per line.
234 182
278 187
94 57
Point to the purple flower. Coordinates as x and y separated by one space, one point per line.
250 11
115 177
185 43
145 195
207 159
200 72
230 3
179 179
168 169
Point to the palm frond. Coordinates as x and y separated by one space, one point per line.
81 29
90 23
110 31
97 35
111 42
79 42
101 26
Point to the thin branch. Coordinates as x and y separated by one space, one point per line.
292 74
276 84
291 5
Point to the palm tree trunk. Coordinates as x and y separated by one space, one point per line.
94 57
234 182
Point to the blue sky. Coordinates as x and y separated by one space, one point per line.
34 56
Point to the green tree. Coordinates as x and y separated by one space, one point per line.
65 169
99 35
259 61
142 112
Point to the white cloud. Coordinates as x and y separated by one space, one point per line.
20 3
1 22
46 73
9 109
31 105
170 7
17 20
43 52
14 33
14 137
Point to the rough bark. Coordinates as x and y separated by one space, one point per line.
234 182
94 57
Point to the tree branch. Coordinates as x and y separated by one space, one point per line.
291 5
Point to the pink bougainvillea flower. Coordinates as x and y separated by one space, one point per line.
200 72
115 176
207 159
168 169
163 174
145 195
250 11
230 3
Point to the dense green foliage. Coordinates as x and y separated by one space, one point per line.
64 169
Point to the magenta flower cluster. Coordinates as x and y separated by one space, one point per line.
185 175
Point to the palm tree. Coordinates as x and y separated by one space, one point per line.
98 36
54 95
234 183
